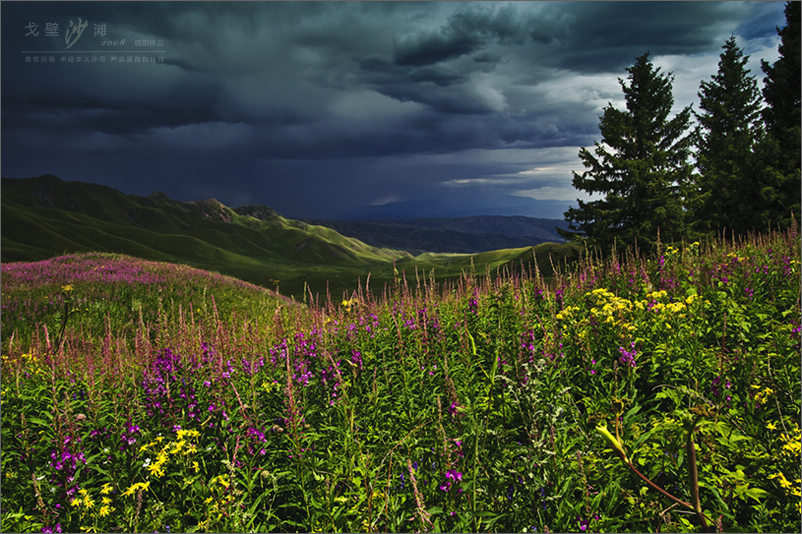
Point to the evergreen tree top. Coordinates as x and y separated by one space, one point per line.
782 83
730 101
640 165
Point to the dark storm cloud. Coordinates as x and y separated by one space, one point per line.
428 49
249 90
471 28
217 43
439 76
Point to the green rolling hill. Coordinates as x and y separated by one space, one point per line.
46 216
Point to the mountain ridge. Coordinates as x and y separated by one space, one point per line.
472 234
46 216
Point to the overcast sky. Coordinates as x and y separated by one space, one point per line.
344 110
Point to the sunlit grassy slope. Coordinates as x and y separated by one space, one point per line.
44 217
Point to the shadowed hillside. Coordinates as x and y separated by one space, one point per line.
46 216
460 234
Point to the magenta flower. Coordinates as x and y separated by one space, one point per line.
628 356
452 410
456 476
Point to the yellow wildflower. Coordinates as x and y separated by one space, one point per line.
156 470
105 510
106 489
137 486
221 480
784 483
654 295
763 396
791 445
182 434
675 307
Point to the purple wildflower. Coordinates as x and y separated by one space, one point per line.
628 356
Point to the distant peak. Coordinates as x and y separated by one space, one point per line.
50 178
211 208
261 212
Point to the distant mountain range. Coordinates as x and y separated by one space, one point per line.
461 234
46 216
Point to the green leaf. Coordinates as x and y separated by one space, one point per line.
756 493
38 421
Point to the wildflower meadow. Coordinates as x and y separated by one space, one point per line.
625 394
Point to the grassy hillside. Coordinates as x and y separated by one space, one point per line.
92 291
45 216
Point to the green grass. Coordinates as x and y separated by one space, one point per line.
141 396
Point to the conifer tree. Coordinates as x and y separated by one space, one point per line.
730 128
782 117
640 167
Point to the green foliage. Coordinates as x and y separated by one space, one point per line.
640 167
470 405
782 117
748 175
731 176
